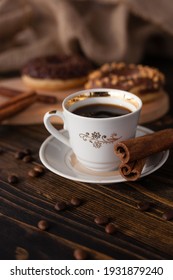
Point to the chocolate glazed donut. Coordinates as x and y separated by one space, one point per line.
144 81
56 72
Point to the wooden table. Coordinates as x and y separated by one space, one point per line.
139 235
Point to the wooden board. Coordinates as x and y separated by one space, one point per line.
34 114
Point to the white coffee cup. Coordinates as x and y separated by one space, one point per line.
92 139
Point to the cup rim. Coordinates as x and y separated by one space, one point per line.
82 93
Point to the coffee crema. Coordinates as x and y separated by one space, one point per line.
100 110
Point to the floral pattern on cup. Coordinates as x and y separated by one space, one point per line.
97 140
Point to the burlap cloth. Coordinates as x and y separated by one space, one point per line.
102 30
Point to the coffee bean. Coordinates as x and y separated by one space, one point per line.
59 206
43 225
39 168
168 215
12 179
19 155
75 201
110 228
33 173
21 253
22 153
80 254
27 158
143 206
101 220
27 151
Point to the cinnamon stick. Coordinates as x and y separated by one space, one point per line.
43 98
17 99
16 105
131 171
141 147
133 152
47 99
8 92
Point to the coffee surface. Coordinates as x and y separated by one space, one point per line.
101 111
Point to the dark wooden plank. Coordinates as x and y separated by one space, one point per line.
68 225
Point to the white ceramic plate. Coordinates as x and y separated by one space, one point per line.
61 160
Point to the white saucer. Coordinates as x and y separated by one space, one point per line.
60 159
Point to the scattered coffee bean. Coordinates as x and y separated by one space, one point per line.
12 179
75 201
110 228
143 206
43 225
39 168
27 158
19 155
21 253
101 220
27 151
22 153
59 206
80 254
168 215
33 173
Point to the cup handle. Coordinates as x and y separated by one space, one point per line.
55 132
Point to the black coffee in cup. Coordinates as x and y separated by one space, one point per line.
100 110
